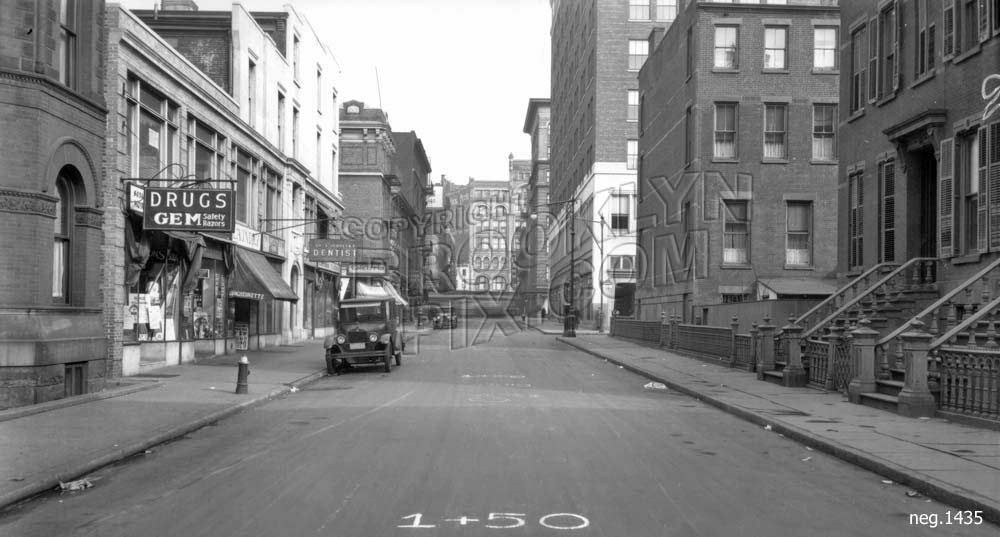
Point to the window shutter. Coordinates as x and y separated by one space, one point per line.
896 21
930 47
948 34
873 77
991 144
984 20
946 198
888 211
983 212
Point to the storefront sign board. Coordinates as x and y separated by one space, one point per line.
338 250
185 209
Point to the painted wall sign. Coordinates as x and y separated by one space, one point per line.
246 237
333 250
183 209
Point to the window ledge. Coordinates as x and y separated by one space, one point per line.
885 98
922 78
816 71
726 160
966 55
735 267
725 70
799 267
857 114
775 71
966 259
824 162
774 161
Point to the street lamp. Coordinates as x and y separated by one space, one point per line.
569 322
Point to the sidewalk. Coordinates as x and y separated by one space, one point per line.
43 445
954 463
553 327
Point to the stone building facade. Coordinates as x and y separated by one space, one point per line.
53 201
534 250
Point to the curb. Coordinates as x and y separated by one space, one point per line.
75 470
20 412
926 485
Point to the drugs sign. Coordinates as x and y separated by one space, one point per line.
181 209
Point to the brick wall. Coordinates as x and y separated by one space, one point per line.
666 183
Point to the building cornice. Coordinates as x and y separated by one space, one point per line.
52 86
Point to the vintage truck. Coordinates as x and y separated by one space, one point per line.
370 332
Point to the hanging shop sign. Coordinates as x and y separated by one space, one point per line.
333 250
185 209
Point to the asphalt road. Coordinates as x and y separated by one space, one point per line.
515 435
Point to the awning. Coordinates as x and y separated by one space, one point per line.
799 286
383 290
254 278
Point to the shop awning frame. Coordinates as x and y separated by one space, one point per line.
254 275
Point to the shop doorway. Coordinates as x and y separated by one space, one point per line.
246 319
294 306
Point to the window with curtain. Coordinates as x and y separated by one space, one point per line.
638 49
61 242
631 154
825 49
666 10
725 47
620 210
736 233
798 242
774 131
859 62
725 130
638 9
632 109
824 146
774 47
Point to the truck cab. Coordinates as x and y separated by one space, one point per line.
369 332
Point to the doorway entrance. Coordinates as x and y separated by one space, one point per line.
925 244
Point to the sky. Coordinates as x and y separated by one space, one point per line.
457 72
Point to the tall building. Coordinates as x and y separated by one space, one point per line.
534 249
738 159
53 201
439 274
598 47
491 229
519 174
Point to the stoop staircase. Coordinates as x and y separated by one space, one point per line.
959 326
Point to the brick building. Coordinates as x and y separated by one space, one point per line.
920 157
52 201
383 176
182 117
598 47
439 271
409 207
534 249
737 152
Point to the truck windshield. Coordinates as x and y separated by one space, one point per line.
362 313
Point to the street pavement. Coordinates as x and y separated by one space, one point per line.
513 426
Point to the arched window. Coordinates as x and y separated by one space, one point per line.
496 262
61 241
498 283
501 211
482 283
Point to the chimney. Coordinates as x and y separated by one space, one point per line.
179 5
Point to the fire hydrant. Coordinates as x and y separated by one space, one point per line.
243 371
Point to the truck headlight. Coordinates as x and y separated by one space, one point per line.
341 339
373 337
385 338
